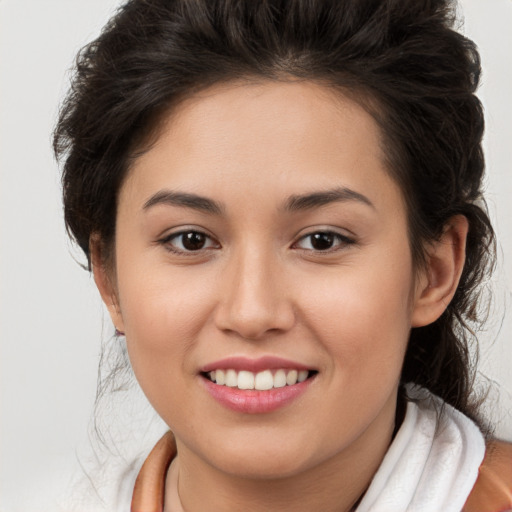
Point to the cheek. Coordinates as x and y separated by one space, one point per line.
158 298
363 315
163 313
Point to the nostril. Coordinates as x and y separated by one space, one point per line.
255 321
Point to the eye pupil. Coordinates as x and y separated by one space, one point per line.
193 241
322 241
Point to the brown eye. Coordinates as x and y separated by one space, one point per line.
323 241
193 241
188 241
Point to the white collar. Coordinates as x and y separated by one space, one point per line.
431 465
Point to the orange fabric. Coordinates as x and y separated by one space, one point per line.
492 491
493 488
149 489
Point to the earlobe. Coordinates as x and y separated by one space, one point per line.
105 283
438 283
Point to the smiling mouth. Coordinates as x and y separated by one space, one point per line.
259 381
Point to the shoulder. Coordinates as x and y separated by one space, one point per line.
492 491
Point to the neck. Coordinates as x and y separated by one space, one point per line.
335 485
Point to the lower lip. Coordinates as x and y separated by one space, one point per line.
256 402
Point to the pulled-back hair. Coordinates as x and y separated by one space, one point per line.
401 60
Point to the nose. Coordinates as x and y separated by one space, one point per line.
254 298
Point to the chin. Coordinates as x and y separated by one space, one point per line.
263 457
275 467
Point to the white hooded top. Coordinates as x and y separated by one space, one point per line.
431 465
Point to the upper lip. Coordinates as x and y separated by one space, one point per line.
253 365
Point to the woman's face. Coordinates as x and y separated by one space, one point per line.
261 238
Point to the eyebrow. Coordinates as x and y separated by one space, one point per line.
324 197
200 203
293 204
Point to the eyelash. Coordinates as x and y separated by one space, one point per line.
167 241
342 241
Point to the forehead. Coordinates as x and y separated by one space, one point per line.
268 135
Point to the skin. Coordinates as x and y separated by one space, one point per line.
258 287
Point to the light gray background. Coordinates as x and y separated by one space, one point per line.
51 320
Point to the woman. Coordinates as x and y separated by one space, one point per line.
281 205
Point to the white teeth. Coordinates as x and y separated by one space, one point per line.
220 377
261 381
264 381
231 379
280 379
291 377
245 380
303 375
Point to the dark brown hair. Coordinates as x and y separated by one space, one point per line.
401 59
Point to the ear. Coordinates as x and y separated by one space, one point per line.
105 281
438 282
